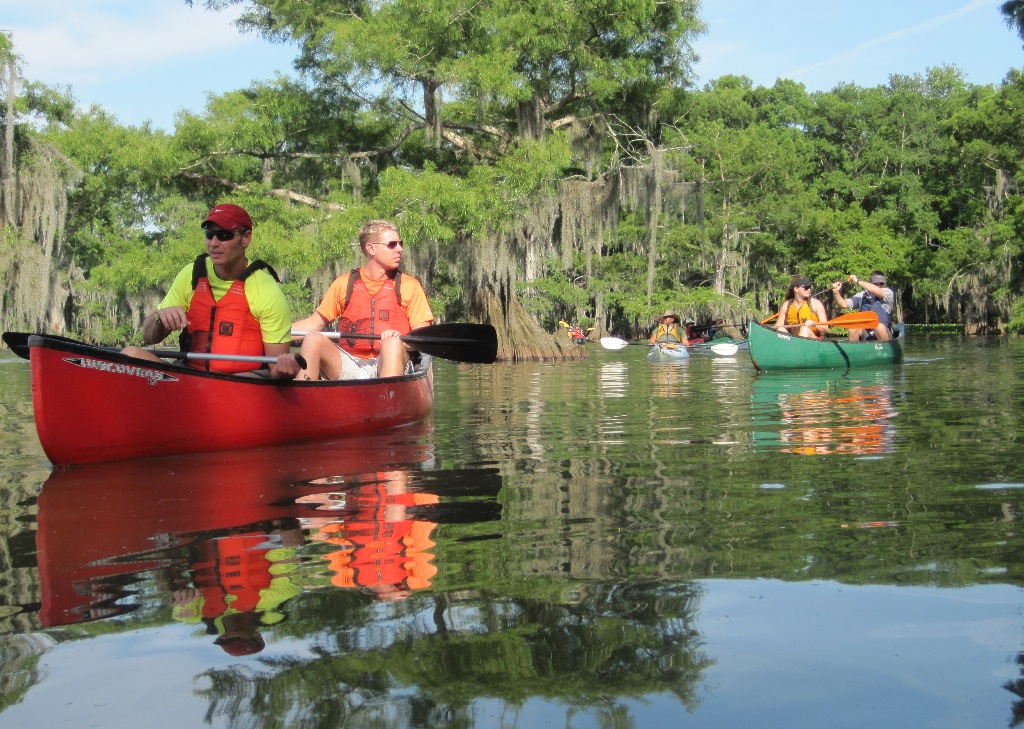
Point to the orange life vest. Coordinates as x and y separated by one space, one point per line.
226 326
233 565
365 314
799 314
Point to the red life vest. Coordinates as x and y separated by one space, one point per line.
235 565
365 314
226 326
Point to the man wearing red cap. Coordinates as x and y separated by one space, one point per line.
223 304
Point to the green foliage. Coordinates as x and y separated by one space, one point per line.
460 120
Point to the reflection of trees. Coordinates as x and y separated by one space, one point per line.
1017 689
19 658
385 665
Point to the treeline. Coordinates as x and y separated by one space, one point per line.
547 161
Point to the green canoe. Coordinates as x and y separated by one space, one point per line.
771 351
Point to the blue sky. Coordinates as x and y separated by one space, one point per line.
147 59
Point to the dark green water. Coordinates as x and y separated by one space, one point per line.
609 543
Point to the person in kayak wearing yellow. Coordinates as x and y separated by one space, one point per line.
668 331
375 299
801 312
223 304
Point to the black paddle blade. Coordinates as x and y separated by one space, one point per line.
460 342
18 343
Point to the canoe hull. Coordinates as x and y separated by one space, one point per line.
661 353
772 351
92 405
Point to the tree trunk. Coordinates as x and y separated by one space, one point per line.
653 217
520 338
8 202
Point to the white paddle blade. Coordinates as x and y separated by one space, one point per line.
613 343
725 350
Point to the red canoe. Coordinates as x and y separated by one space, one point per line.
94 405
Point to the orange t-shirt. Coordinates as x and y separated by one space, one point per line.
414 300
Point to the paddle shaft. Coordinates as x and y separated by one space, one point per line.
476 343
18 342
411 338
203 356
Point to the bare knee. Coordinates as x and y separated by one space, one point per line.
392 358
318 351
139 353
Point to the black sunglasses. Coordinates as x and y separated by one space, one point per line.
222 235
392 244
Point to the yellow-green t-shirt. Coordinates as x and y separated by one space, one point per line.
266 300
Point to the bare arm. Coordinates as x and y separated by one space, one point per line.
162 322
837 294
780 320
312 323
819 311
286 366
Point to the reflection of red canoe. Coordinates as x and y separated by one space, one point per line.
93 405
99 525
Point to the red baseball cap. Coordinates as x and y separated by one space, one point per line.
229 217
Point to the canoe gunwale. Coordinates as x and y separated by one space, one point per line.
63 344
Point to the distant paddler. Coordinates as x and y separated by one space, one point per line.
875 296
667 332
801 313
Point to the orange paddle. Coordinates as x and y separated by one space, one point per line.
855 320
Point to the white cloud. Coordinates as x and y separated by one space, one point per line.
79 42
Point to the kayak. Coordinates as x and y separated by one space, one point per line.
93 404
771 351
663 352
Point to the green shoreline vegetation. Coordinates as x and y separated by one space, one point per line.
547 162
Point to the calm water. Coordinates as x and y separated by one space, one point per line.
608 543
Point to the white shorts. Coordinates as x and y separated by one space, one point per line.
356 368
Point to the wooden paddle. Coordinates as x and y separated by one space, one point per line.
18 343
476 343
855 320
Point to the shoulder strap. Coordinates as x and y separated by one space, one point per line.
199 269
353 276
256 266
398 287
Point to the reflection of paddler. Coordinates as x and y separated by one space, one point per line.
89 551
240 582
829 415
384 551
